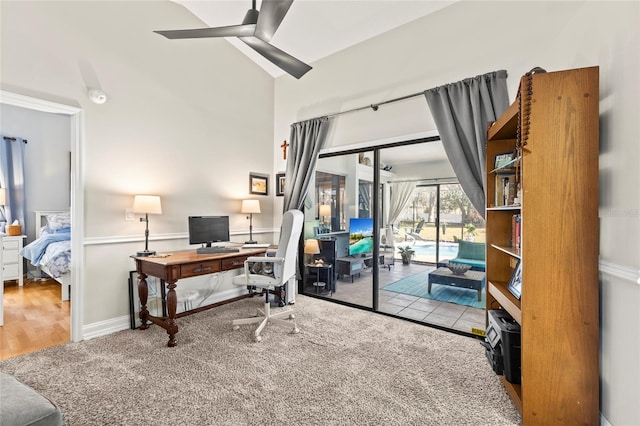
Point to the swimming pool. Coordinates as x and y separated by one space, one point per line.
426 250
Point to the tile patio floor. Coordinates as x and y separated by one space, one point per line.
449 315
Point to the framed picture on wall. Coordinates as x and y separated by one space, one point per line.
280 181
258 184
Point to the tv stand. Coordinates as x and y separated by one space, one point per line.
352 265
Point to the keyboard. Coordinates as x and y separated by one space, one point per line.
215 250
255 246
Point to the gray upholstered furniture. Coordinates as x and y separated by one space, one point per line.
20 405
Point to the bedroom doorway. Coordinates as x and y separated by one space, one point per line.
76 124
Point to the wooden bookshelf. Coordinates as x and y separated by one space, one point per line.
554 132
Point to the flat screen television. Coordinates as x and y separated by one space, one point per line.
208 229
360 235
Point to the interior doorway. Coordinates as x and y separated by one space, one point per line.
76 123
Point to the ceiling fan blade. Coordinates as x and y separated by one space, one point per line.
272 13
288 63
244 30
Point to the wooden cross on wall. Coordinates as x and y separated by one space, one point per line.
284 149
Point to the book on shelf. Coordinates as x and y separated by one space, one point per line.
516 222
505 191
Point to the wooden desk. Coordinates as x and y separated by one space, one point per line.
181 264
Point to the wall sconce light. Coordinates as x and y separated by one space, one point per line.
251 207
147 204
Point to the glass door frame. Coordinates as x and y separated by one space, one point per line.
376 206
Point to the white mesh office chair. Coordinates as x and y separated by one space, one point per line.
283 267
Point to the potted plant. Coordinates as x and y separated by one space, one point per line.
471 232
406 252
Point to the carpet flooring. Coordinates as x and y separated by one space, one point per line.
417 285
345 367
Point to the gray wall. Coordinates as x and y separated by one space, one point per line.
472 38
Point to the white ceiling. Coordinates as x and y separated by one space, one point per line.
314 29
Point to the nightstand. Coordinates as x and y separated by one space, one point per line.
10 259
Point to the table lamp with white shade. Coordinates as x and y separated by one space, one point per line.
250 207
311 248
147 204
325 211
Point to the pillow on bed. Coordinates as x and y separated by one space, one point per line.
58 221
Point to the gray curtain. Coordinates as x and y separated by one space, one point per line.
307 138
12 178
462 112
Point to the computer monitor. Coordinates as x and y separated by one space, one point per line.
208 229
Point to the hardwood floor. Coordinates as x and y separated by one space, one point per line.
35 318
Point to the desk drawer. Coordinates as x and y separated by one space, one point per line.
199 268
233 263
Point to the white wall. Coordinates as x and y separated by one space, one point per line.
187 120
47 159
472 38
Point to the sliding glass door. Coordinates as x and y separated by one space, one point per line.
379 222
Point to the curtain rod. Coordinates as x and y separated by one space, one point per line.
434 180
7 138
373 106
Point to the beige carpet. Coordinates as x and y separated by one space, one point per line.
345 367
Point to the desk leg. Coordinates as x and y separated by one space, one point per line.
172 305
143 293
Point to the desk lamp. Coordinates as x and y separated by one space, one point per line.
147 204
251 207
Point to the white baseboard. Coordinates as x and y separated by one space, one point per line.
102 328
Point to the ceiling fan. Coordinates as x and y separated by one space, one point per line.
256 30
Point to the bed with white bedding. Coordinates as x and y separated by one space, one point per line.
51 251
